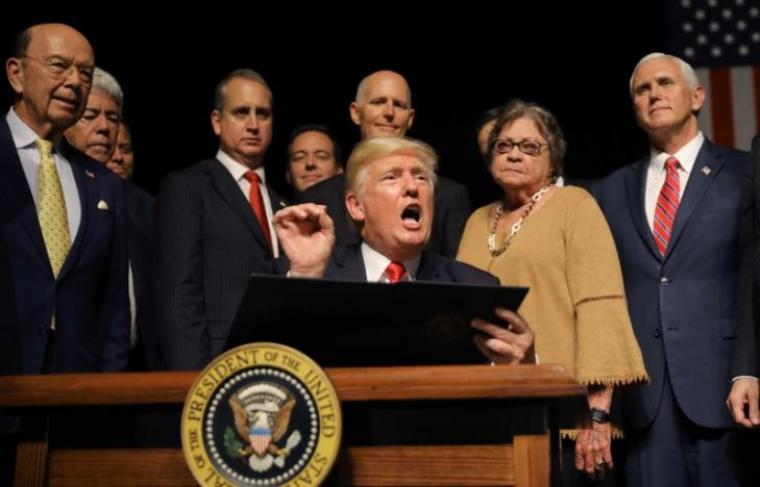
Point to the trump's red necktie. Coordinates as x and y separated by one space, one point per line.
394 272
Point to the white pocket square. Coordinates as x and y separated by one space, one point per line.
102 205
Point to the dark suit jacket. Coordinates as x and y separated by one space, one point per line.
347 264
208 243
145 354
89 297
452 208
747 359
683 306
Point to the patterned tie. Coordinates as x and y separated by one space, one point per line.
257 205
667 205
394 272
52 208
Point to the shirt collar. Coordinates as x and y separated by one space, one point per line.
686 155
237 169
375 264
23 135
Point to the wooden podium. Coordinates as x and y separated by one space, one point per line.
528 458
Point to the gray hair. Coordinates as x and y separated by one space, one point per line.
244 73
686 69
545 122
104 81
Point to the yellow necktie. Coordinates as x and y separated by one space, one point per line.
52 208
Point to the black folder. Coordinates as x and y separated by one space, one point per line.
349 323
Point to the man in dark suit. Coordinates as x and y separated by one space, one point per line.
383 107
389 194
62 260
144 352
100 134
62 214
213 226
675 218
744 396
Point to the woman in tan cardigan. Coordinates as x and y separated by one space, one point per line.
556 242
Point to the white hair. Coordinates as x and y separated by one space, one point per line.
686 69
104 81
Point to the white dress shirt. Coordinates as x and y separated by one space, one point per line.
25 139
656 172
375 264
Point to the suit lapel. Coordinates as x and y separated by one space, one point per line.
635 188
351 263
428 270
708 164
230 192
86 182
18 201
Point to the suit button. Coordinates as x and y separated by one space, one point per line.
44 329
664 280
657 333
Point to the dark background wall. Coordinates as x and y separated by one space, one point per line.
574 59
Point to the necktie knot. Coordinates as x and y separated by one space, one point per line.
252 177
45 147
671 164
395 271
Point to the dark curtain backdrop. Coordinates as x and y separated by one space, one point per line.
574 59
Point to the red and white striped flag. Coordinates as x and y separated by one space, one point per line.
721 39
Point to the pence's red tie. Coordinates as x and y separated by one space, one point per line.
667 205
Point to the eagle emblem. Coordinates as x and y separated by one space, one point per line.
262 414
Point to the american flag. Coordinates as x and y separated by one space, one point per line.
721 40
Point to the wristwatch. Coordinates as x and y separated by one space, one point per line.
600 415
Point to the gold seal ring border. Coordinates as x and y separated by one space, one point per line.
199 461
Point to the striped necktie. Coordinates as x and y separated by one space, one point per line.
667 205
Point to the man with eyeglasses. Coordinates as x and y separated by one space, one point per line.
675 217
63 228
62 224
383 107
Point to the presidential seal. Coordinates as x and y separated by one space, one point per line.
261 414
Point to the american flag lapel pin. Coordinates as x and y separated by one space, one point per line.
90 174
706 171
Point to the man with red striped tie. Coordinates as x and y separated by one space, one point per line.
675 219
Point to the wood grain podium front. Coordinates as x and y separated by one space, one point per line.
50 404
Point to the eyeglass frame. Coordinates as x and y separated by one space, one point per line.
86 74
518 144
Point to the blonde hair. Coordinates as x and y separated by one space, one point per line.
374 148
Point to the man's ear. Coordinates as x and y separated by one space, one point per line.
15 73
354 207
216 122
353 110
410 122
698 99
